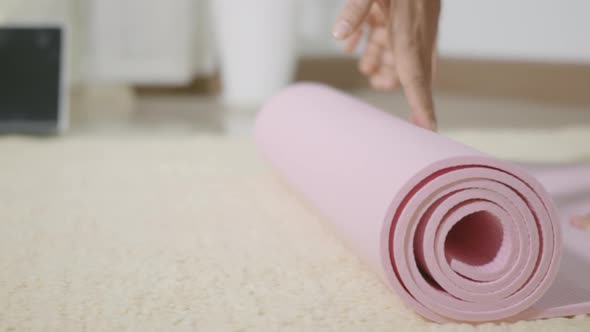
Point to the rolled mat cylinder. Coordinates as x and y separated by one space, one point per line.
459 235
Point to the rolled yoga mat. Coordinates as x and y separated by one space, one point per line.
459 235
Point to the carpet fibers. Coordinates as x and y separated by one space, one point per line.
179 234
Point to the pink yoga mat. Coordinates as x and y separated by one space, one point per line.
459 235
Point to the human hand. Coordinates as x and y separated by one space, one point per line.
401 38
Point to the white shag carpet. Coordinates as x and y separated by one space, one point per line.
185 234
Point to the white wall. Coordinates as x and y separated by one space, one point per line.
539 30
129 41
315 26
142 41
168 41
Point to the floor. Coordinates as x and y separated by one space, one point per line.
120 110
105 254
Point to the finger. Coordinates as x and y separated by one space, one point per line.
376 14
386 77
378 83
434 64
388 58
382 82
371 59
414 25
353 41
351 18
416 81
383 4
392 81
380 37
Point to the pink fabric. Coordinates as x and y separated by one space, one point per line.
460 236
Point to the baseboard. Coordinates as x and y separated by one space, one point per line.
543 82
200 85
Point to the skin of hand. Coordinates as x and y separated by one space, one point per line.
401 43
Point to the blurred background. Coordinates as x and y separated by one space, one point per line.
198 66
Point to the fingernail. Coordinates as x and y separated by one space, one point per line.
424 123
342 29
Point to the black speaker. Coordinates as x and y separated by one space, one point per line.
33 83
